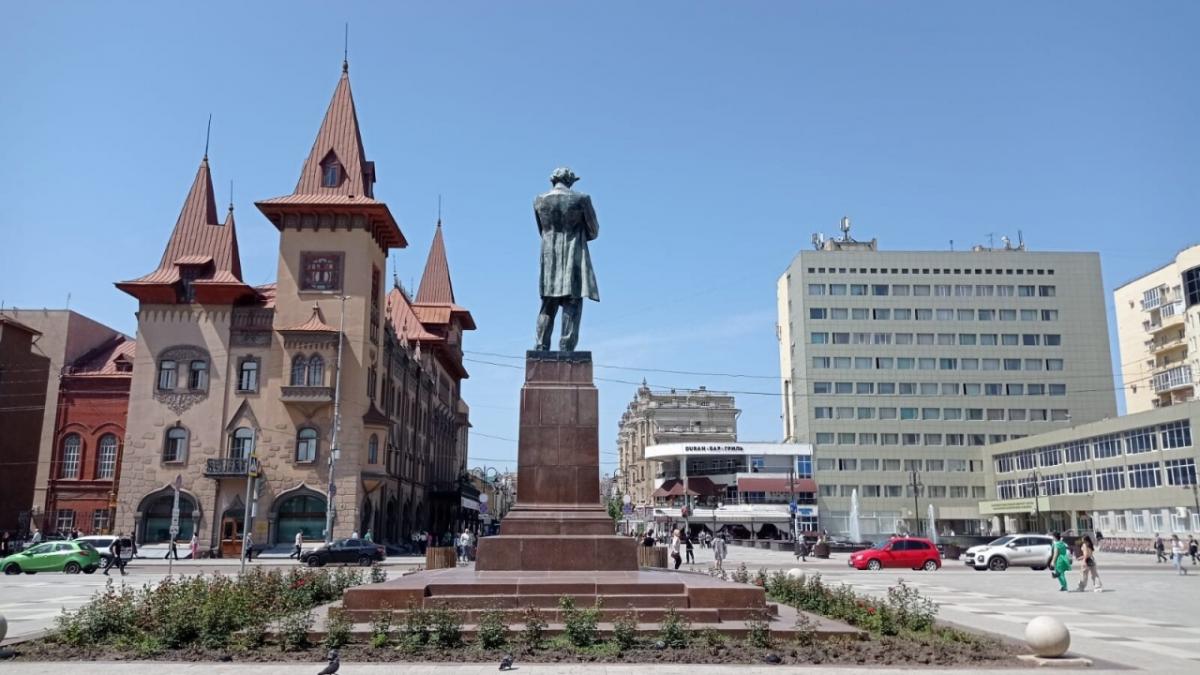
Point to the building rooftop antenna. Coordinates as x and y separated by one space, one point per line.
207 135
346 49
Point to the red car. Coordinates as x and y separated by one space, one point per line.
911 552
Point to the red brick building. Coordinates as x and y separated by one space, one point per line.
89 438
24 373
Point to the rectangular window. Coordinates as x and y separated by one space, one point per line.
942 290
100 521
868 439
827 490
881 314
921 289
1079 482
1110 479
822 387
879 289
816 289
1046 291
901 289
824 438
908 413
168 370
1145 475
869 465
817 313
64 521
970 364
902 314
963 290
887 413
931 413
846 438
987 315
837 289
839 313
1054 364
966 339
945 339
988 339
1025 291
1181 472
923 314
818 338
198 375
248 375
1176 435
820 362
926 363
1052 340
891 465
888 388
1008 315
823 412
320 271
841 338
1012 364
858 289
904 338
844 412
952 414
864 388
929 388
860 313
945 314
1010 339
841 362
885 363
1049 315
1033 364
1029 340
1029 315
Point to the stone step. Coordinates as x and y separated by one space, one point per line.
552 601
554 615
551 587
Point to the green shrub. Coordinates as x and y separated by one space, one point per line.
535 628
912 610
581 626
337 631
492 631
378 574
760 578
806 630
741 575
293 631
416 631
445 627
711 638
758 631
625 629
674 630
252 637
381 628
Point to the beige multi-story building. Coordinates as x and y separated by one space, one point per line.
898 366
1130 476
321 386
655 417
1158 331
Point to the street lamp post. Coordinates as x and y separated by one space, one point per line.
337 425
916 485
1037 493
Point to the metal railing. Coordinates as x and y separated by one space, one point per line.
226 466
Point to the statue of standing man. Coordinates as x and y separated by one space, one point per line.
567 222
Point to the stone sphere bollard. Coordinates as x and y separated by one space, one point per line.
1047 636
795 573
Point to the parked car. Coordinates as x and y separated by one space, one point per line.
70 557
907 552
344 551
1013 550
100 542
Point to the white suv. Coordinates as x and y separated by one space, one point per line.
1013 550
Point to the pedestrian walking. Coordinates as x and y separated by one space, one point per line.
354 535
172 550
648 540
36 538
673 547
719 551
1087 553
1192 548
1060 561
4 544
464 546
249 546
1177 554
687 546
802 548
195 546
297 545
120 551
1159 549
370 538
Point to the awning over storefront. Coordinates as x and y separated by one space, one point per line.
776 484
696 487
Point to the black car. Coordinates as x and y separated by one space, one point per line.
364 553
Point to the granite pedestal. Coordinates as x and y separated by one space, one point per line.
558 522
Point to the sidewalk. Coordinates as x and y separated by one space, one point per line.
154 554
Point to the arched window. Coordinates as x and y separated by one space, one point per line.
373 450
106 463
306 445
299 370
241 444
72 445
175 447
316 371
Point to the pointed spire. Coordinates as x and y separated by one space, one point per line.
436 288
339 140
189 238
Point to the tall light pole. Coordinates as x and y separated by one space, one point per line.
337 425
1037 493
915 484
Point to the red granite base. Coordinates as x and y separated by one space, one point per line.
536 552
698 596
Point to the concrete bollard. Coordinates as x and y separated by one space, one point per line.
3 627
1048 637
795 573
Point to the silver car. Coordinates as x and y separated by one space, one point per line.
1013 550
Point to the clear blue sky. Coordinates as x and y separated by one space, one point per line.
715 137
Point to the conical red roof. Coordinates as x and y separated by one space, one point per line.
199 240
436 287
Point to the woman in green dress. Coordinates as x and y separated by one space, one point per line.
1060 560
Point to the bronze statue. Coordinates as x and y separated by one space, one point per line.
567 222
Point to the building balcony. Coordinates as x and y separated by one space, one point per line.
306 395
1165 343
1167 321
1174 377
226 467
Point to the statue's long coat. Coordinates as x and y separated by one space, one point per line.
567 223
